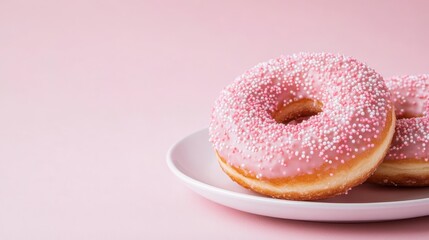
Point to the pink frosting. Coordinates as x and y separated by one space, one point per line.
355 107
410 95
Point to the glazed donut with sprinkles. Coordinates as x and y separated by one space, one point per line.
407 162
303 127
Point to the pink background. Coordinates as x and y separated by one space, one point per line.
93 93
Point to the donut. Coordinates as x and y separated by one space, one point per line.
407 161
303 127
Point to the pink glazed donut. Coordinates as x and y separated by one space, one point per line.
303 127
407 162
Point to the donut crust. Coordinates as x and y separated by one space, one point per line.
405 173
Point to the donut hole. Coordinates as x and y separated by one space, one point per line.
297 111
412 109
408 115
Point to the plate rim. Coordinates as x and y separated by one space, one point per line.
171 163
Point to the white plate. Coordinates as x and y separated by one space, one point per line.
192 160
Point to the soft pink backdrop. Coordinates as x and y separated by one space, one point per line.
93 93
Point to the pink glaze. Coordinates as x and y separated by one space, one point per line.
355 107
410 95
